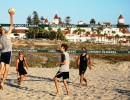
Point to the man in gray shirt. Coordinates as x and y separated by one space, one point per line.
6 50
63 70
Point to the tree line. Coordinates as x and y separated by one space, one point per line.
41 32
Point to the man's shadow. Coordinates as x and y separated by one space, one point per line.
123 92
14 82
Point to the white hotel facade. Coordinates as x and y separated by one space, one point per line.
107 35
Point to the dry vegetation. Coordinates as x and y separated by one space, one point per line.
50 59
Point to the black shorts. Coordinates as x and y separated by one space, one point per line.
22 72
6 57
64 75
82 70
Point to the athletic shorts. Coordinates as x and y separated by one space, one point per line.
6 57
82 70
64 75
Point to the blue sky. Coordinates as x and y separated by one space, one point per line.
85 10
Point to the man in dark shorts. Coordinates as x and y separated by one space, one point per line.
6 50
63 70
83 60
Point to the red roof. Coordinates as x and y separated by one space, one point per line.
46 20
65 31
120 17
110 37
124 30
94 35
106 23
56 17
20 30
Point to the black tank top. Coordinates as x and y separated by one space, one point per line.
83 60
21 64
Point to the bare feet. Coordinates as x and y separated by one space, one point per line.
86 84
1 86
80 86
85 81
68 93
57 94
18 79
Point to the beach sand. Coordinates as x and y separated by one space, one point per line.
105 82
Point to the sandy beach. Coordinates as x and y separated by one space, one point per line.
105 82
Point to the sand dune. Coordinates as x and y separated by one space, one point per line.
105 82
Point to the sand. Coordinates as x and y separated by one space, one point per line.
105 82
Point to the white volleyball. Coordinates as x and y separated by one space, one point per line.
11 10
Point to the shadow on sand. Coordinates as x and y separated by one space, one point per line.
123 92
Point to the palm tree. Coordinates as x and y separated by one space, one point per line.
60 21
92 21
67 20
79 31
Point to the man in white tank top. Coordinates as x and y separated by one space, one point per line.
6 50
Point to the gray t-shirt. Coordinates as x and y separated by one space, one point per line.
6 43
65 67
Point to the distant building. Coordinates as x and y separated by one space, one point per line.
46 21
105 34
56 19
80 22
120 20
19 32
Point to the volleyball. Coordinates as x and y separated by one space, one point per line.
11 11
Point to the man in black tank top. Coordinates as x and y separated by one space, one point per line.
83 60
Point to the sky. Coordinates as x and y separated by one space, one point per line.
85 10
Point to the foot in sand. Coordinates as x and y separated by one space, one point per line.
80 86
57 94
1 86
68 93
